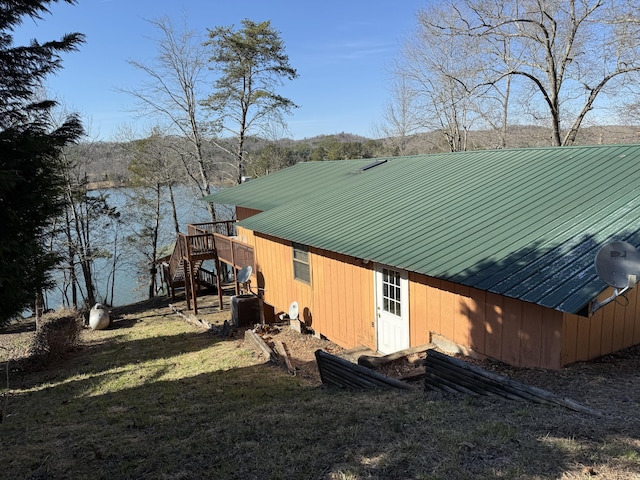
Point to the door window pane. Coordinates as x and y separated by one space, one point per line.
391 291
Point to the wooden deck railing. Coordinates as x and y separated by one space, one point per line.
224 227
178 254
234 252
230 251
201 245
203 240
206 276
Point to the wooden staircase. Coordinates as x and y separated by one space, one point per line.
203 241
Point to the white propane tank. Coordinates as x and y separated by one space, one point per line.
99 317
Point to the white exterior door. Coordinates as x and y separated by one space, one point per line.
392 309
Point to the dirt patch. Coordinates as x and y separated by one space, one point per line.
16 344
610 384
301 348
408 366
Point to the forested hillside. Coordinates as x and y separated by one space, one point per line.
110 161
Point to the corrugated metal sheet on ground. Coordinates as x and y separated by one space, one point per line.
526 223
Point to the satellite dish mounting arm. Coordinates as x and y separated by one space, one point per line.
595 306
243 278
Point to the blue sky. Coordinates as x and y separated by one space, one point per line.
343 52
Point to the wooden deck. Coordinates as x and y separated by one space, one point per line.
204 241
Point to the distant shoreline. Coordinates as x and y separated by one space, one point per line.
104 185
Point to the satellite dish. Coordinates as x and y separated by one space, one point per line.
293 310
244 274
618 264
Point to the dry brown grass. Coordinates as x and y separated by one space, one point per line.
154 397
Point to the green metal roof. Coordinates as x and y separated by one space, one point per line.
288 185
525 223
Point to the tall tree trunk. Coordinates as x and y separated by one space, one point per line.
39 308
174 211
71 262
113 265
154 246
240 151
81 224
505 114
82 230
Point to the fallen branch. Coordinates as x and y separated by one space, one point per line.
284 353
191 318
378 362
221 331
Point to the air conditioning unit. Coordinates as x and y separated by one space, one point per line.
245 310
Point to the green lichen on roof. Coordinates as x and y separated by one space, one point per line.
525 223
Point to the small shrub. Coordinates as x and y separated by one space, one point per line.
57 334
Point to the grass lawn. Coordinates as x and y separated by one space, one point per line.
156 398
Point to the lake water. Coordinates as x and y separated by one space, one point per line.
129 285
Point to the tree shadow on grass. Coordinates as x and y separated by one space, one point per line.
128 315
256 422
102 352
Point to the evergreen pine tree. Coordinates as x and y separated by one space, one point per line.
30 147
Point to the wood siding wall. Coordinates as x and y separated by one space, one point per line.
515 332
338 303
611 328
274 265
344 299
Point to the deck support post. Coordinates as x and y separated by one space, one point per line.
187 283
219 284
194 288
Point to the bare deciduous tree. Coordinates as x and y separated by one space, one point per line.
563 58
151 168
401 117
172 96
440 70
77 235
542 61
87 212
